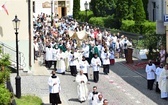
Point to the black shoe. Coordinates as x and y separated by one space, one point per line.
63 73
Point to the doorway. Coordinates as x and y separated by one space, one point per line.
64 11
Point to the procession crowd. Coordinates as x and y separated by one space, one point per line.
98 48
67 54
158 74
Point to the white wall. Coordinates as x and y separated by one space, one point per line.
7 33
39 9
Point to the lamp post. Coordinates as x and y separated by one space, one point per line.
16 23
86 8
51 12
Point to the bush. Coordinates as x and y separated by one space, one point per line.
97 21
130 26
82 15
5 95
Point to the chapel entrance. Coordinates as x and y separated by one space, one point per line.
62 10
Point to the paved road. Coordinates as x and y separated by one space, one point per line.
121 87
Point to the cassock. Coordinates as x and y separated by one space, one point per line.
82 89
95 63
54 56
163 83
48 57
73 63
106 61
61 62
54 89
150 70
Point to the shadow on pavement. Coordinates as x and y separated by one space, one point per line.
74 99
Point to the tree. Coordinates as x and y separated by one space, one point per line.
102 8
139 15
76 8
145 4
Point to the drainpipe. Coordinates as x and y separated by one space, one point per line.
29 28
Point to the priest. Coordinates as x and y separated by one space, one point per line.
163 82
82 89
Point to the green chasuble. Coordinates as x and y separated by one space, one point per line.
62 47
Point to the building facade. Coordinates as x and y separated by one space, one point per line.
60 7
23 10
156 9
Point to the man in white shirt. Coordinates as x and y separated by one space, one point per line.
150 70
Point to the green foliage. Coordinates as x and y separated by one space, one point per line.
5 95
29 100
97 21
109 22
122 9
145 4
4 61
76 8
147 29
82 15
102 8
139 13
4 75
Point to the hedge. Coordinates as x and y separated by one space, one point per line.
82 15
130 26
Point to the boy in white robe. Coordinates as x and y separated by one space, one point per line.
93 96
150 70
82 89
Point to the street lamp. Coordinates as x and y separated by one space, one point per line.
16 23
86 8
51 12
